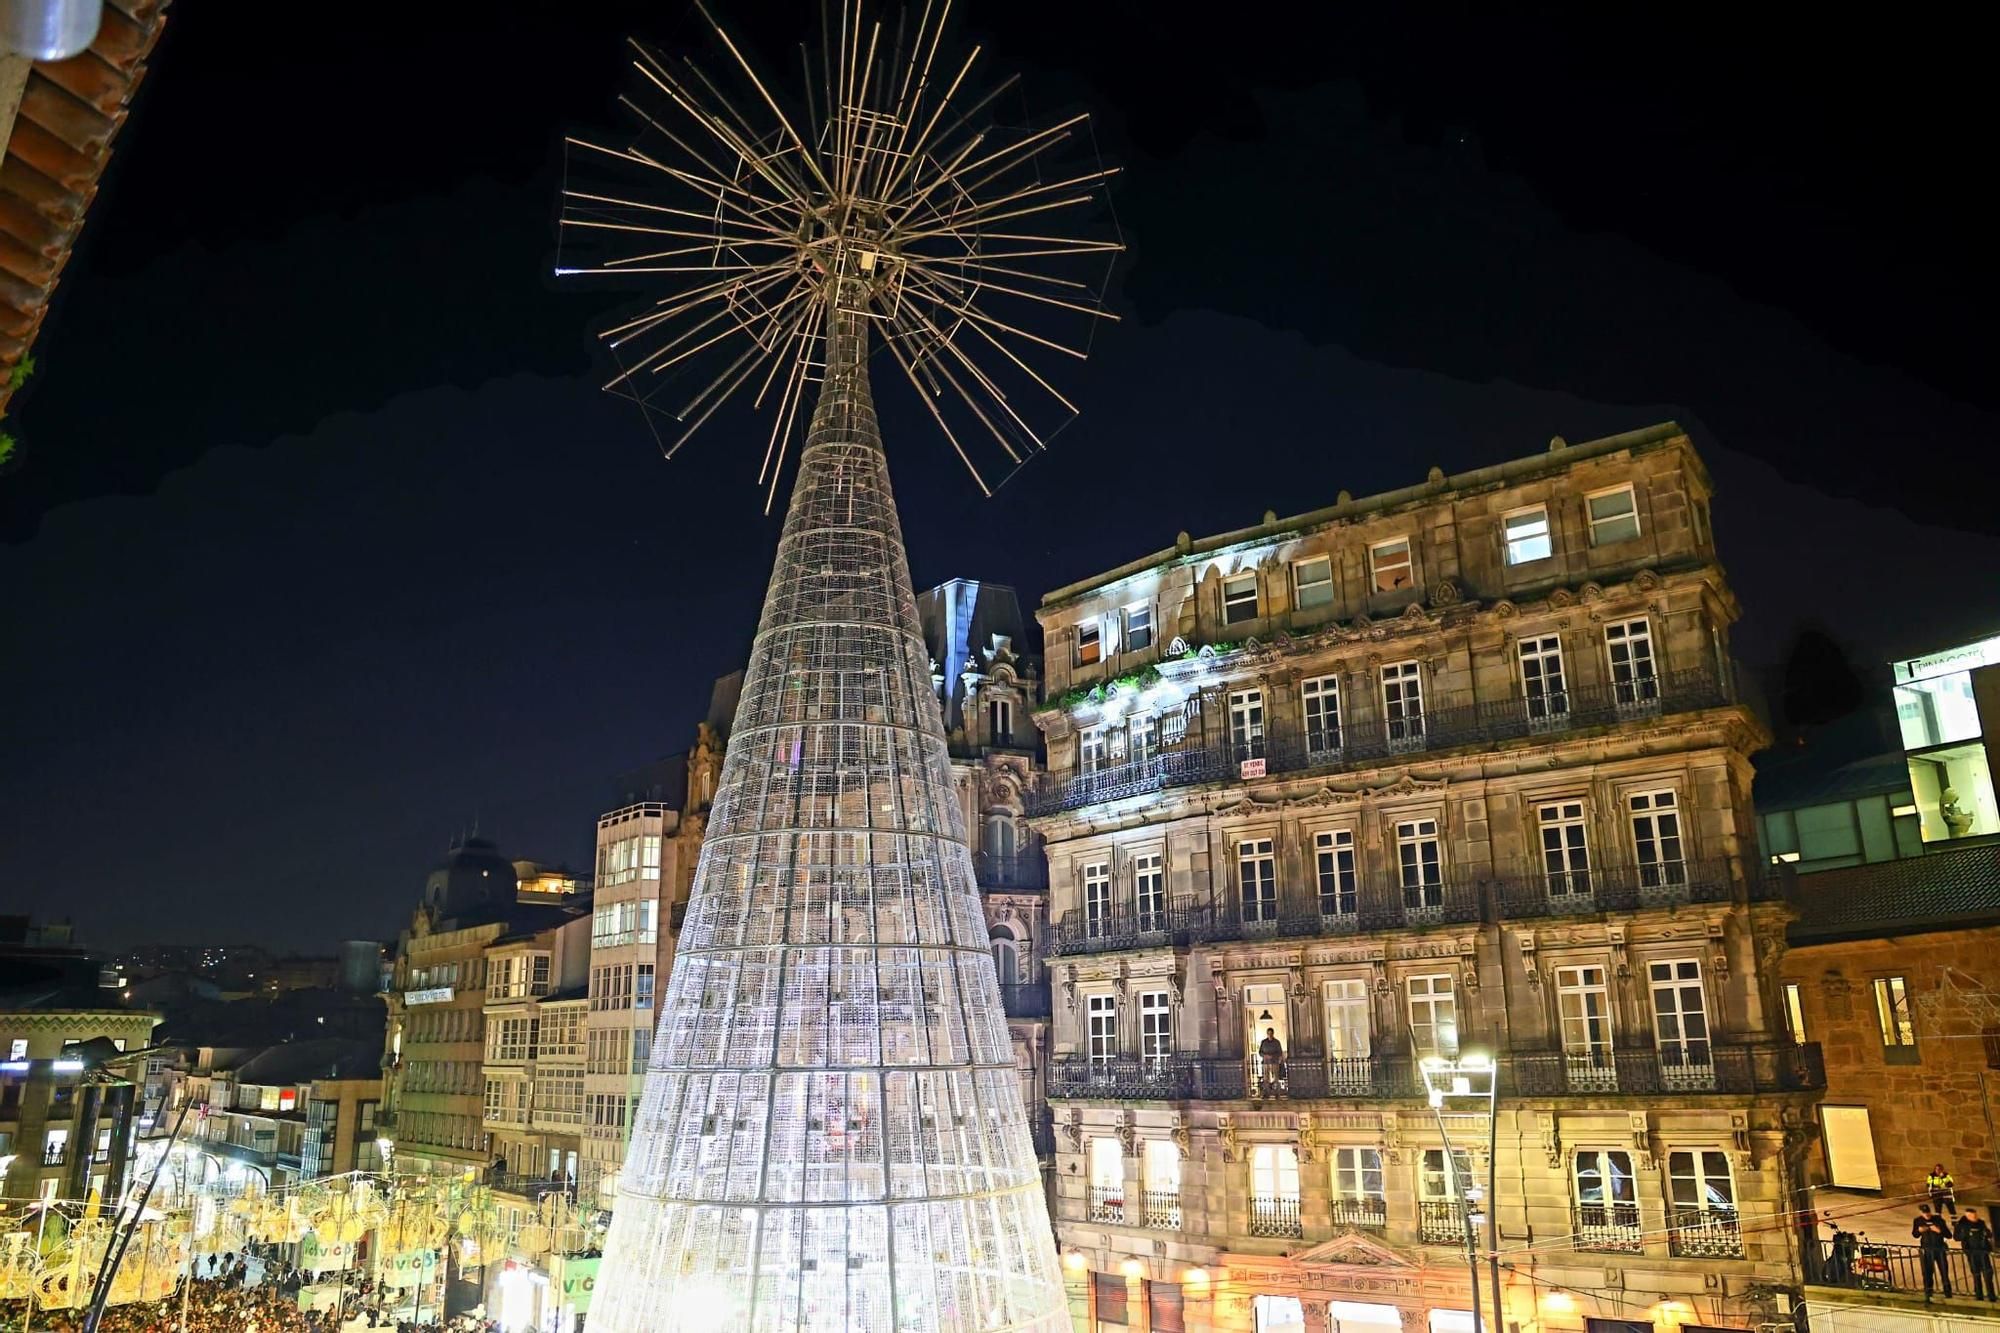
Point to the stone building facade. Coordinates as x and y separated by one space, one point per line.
989 685
532 1067
1457 768
1891 972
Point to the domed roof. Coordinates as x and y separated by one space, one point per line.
472 875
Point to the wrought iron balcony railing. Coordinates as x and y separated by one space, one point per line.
1444 723
1106 1204
1368 1213
1606 1226
1535 890
1123 1078
1704 1233
1162 1209
1440 1222
1694 1067
1276 1216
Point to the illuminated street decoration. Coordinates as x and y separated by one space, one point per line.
832 1133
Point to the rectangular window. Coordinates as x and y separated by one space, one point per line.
1607 1200
1312 582
1850 1148
642 987
1089 643
1138 627
1439 1181
1274 1172
1149 885
1584 1006
1892 1012
1542 679
1656 839
1795 1013
1614 516
1333 857
1145 738
1090 754
1347 1025
1389 565
1527 534
1418 867
1699 1182
1319 700
1403 705
1156 1028
1239 598
1680 1018
1565 849
1629 645
1433 1015
1000 721
1101 1018
1097 899
1112 1307
1257 879
1357 1175
1246 723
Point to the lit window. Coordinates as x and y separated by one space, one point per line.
1614 516
1795 1013
1239 598
1892 1011
1312 582
1527 533
1389 565
1357 1175
1089 643
18 1049
1138 627
1433 1015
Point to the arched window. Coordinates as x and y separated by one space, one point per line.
1006 956
1000 835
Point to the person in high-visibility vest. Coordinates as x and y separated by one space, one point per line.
1939 1183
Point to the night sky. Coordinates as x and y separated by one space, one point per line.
325 546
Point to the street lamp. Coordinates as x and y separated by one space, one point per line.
1471 1076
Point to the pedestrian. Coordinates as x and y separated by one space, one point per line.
1933 1235
1976 1238
1939 1183
1271 1056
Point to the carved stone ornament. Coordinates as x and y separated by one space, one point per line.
1526 941
1073 1129
1128 1134
1646 580
1562 597
1225 1134
1505 610
1177 648
1414 612
1545 1124
1183 1140
1590 592
1308 1145
1446 593
1069 991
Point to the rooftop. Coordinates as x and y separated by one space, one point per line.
303 1061
1559 456
1953 890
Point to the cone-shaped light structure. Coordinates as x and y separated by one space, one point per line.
832 1134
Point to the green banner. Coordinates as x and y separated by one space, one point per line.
411 1268
578 1278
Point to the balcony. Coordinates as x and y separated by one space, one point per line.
1532 891
993 871
1124 1078
1609 1227
1024 999
1106 1203
1276 1217
54 1156
1367 1214
1704 1233
1446 723
532 1188
1306 1074
1648 1071
1161 1209
1440 1222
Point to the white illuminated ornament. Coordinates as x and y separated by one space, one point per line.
832 1134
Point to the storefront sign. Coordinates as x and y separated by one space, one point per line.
435 995
411 1268
1984 653
577 1278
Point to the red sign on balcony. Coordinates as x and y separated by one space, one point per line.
1252 768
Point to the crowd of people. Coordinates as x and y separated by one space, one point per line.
225 1298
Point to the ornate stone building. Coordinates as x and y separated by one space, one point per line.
1458 768
989 687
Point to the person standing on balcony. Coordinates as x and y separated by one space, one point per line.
1976 1238
1271 1061
1933 1237
1942 1190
